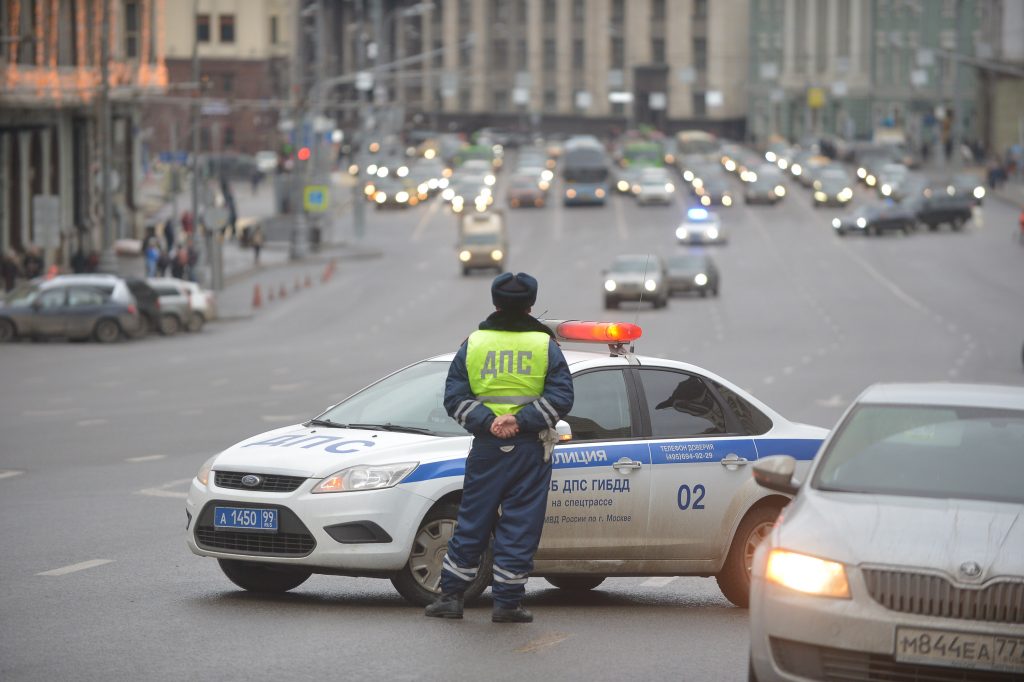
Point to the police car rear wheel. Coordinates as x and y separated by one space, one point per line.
420 580
734 580
262 577
575 583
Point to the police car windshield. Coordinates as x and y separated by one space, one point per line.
409 400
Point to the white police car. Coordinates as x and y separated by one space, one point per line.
701 226
653 480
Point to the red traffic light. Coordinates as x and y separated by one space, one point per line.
303 154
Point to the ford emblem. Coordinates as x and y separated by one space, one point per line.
970 569
252 480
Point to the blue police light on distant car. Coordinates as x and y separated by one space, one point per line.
697 213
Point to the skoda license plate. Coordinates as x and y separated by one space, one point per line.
245 518
960 649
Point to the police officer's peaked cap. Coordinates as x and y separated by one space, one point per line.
518 291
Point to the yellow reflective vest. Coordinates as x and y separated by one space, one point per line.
507 369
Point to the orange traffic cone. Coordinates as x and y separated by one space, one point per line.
257 300
283 293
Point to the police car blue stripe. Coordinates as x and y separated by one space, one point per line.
432 470
797 448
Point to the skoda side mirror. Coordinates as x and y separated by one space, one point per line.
776 473
564 431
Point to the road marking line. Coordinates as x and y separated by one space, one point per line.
543 642
74 568
145 458
661 581
886 282
91 422
161 490
10 473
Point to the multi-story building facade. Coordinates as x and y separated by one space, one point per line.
852 67
50 66
244 56
562 64
1002 50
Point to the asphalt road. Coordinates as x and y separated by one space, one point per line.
98 443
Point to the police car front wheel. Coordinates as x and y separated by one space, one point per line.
575 583
734 580
419 580
256 577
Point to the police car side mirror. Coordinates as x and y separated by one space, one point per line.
564 431
776 473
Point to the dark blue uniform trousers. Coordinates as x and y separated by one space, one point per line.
518 481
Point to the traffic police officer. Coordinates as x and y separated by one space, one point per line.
508 385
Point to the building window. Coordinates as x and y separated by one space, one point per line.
550 12
501 104
228 81
700 105
700 9
438 54
618 109
203 28
577 53
131 29
549 54
521 56
464 11
273 30
618 12
845 20
658 10
550 100
499 54
618 53
464 100
658 50
227 28
229 137
821 37
700 54
204 139
578 11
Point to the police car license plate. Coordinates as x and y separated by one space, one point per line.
245 518
960 649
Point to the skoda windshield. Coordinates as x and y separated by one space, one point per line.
927 451
411 399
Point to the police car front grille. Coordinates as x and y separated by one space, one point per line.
842 665
925 594
290 544
270 483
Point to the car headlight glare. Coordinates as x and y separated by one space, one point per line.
546 175
570 193
682 233
730 165
871 180
820 196
372 169
979 192
496 254
622 186
726 200
837 223
402 197
688 175
862 223
669 187
599 193
204 471
489 180
701 279
464 256
807 574
365 477
448 194
712 233
796 169
783 164
705 200
650 285
780 191
609 285
382 172
886 189
380 197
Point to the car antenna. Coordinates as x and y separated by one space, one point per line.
643 288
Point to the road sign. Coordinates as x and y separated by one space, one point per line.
315 198
46 219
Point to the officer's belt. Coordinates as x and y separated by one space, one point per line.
508 399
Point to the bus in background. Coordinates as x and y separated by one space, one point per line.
643 154
584 165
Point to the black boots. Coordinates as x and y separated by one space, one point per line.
516 615
446 606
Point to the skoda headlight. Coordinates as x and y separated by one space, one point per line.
609 285
204 470
650 285
712 233
701 279
365 477
682 233
807 574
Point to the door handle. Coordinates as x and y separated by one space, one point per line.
627 464
733 460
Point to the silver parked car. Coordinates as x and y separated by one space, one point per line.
175 305
101 308
902 555
203 301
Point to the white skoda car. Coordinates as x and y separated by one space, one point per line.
902 555
652 478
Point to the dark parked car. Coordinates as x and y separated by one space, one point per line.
694 272
876 218
148 303
96 307
936 207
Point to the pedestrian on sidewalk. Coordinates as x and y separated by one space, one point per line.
9 269
257 243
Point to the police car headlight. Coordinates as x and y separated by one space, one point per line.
204 471
862 223
712 233
496 254
650 285
836 223
701 279
807 574
609 285
464 256
365 477
681 233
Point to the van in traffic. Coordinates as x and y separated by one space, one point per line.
483 240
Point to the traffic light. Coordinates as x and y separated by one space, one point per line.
303 154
